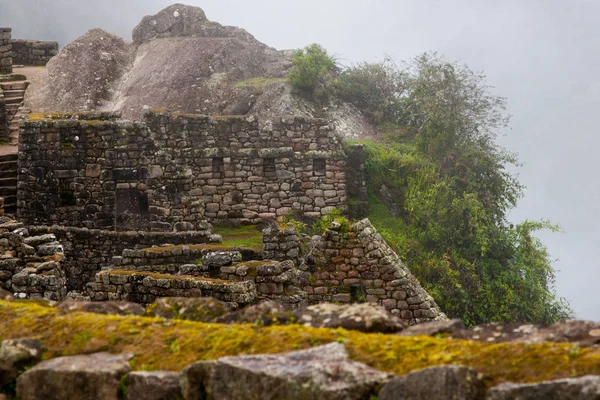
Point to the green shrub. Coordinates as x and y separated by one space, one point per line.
313 72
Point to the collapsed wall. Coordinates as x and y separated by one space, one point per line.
175 171
89 250
353 265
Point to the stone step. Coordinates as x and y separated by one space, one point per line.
8 174
10 200
9 157
9 166
13 100
16 85
8 191
10 181
14 93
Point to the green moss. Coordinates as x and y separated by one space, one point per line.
148 339
259 83
245 235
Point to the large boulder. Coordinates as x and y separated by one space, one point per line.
447 382
323 372
583 388
104 307
201 309
84 377
153 385
181 62
17 354
365 317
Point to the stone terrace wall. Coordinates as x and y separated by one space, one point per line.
141 287
156 175
6 60
89 250
359 266
33 52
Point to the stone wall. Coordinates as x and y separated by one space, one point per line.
144 287
95 171
6 49
33 52
89 250
359 266
31 266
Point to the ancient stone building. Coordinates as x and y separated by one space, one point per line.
172 171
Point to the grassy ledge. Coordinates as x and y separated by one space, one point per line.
172 345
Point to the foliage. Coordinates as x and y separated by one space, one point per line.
313 72
476 265
375 88
151 340
316 226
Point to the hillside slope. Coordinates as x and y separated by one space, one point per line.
179 61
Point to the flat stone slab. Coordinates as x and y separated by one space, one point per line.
324 373
583 388
83 377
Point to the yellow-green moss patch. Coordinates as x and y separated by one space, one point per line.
149 339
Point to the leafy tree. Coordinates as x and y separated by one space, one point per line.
450 182
375 88
313 71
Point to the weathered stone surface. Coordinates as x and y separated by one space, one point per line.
202 309
448 382
221 258
105 307
153 385
323 372
365 317
17 354
85 377
583 388
264 313
434 328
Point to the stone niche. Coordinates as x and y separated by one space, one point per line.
173 171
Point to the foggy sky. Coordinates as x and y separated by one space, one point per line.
542 55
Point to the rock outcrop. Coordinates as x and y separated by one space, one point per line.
448 382
15 355
85 377
182 62
323 372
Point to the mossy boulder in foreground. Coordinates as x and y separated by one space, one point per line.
173 345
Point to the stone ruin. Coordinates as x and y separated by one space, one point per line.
110 209
124 210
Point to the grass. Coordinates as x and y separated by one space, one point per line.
259 83
151 340
245 235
